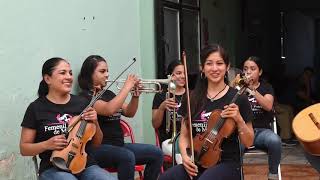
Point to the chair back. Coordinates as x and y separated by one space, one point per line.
127 130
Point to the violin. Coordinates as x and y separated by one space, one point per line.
73 157
207 145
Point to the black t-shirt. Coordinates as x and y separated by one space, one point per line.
157 100
110 125
50 119
230 145
262 118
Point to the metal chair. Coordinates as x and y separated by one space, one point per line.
36 166
127 132
252 151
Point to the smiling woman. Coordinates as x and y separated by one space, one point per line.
46 119
212 95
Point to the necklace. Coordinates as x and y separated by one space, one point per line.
212 98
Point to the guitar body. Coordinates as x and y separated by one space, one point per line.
306 127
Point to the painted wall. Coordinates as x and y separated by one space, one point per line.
33 31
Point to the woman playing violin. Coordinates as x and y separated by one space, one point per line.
211 93
114 152
46 120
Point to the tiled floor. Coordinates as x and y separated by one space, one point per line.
294 166
290 155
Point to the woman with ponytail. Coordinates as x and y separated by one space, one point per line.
46 120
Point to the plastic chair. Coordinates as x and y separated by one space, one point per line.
127 132
166 158
252 151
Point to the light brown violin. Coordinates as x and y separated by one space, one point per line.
73 158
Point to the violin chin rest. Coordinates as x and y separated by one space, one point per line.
60 163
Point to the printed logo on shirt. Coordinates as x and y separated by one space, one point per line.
60 126
200 125
178 116
256 108
64 118
116 116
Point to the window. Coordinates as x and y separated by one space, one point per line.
178 29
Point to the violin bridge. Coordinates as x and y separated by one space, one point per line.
75 145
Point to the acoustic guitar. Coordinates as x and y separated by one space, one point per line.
306 127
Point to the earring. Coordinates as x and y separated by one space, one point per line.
202 75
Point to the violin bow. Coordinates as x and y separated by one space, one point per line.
99 94
184 61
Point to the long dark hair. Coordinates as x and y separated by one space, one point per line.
47 69
199 94
87 69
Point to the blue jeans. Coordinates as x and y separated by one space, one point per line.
267 140
126 157
90 173
222 171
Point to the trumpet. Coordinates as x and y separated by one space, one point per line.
171 89
148 85
240 81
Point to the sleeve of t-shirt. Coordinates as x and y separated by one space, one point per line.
29 119
157 100
245 109
108 95
269 89
266 89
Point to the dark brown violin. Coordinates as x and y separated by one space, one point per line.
207 151
73 158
